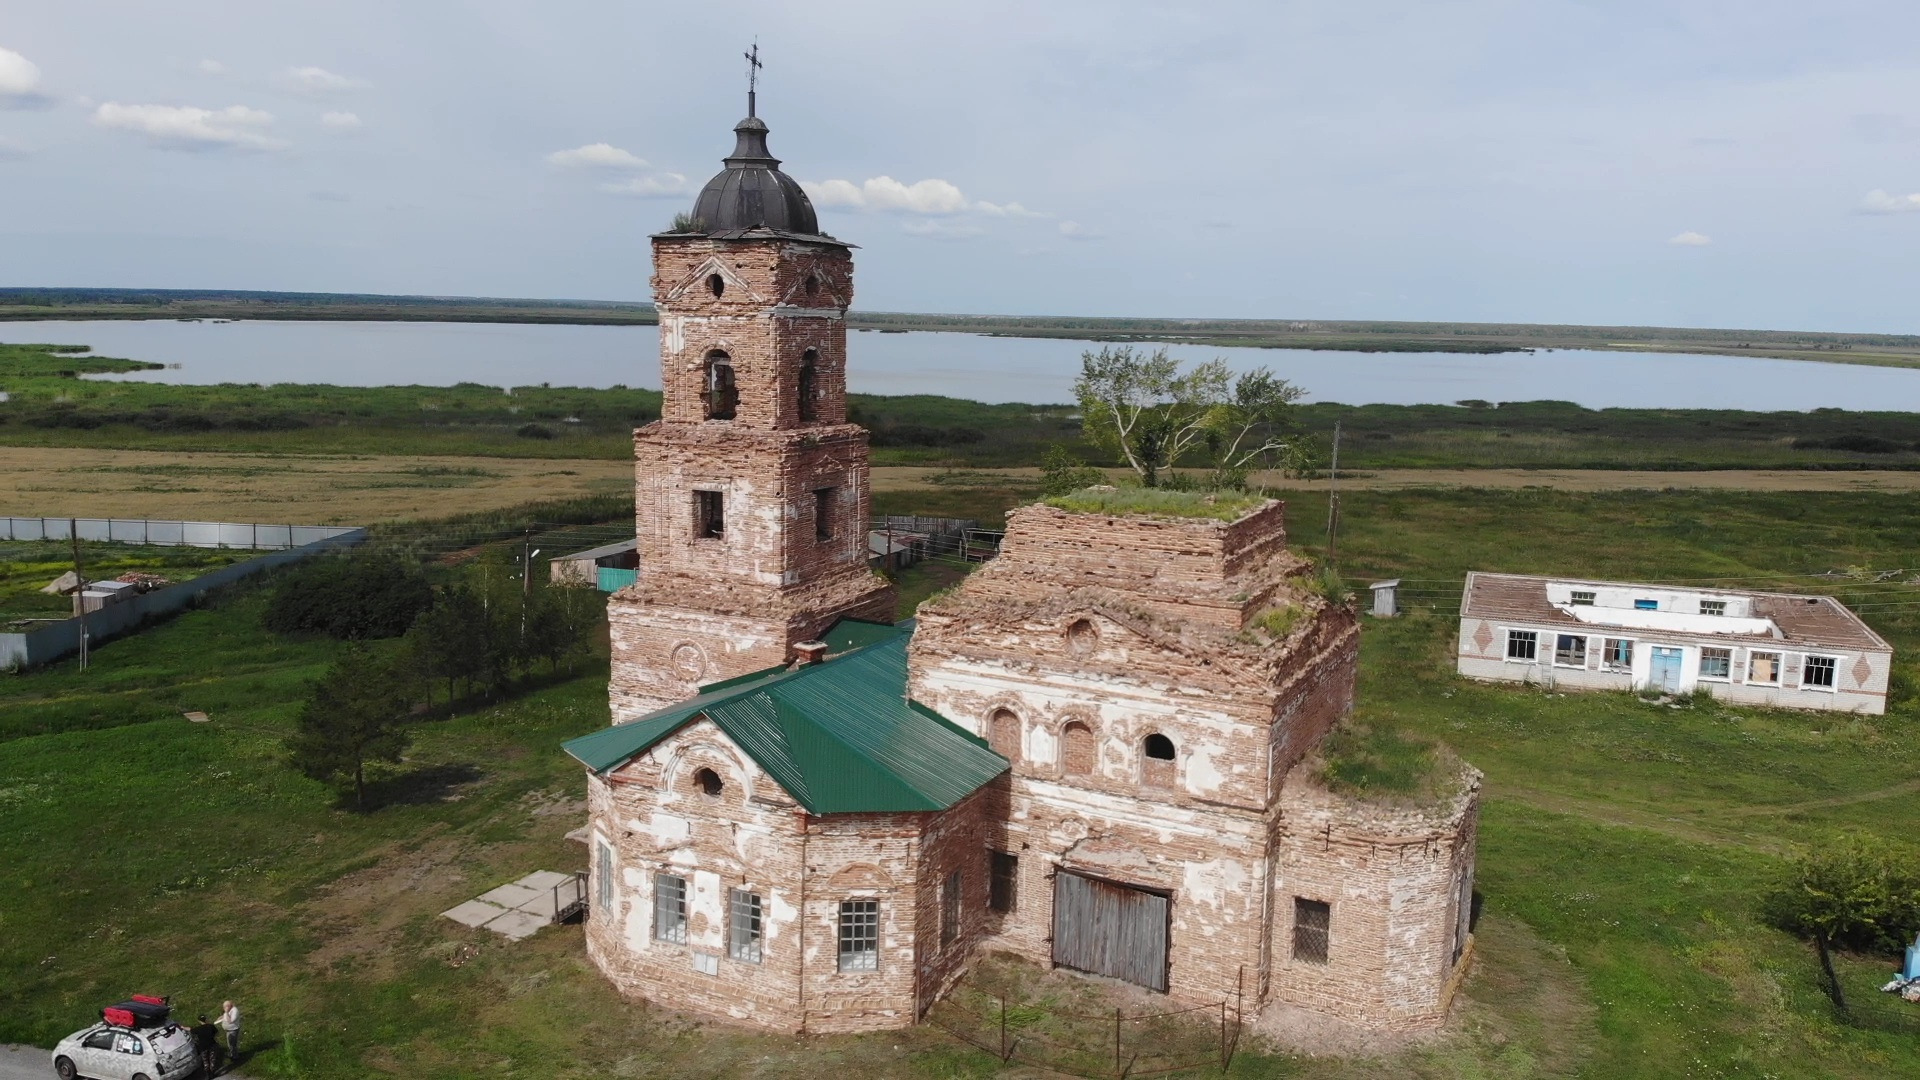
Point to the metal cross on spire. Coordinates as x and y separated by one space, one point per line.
753 72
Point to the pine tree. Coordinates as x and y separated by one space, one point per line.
358 713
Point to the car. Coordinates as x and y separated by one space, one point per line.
134 1040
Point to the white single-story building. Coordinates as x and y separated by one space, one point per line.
1777 649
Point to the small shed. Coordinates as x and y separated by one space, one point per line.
99 594
1386 598
583 567
889 551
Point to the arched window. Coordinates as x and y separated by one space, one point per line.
1003 734
1159 765
1076 749
716 285
809 384
708 783
721 396
1082 637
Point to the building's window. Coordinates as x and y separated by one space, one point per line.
1523 645
1003 733
1076 749
1570 650
823 500
716 285
708 782
1158 767
1713 607
605 902
813 285
950 909
1582 598
1312 920
670 908
1716 663
743 925
709 515
1646 605
859 935
721 395
1763 668
808 383
1004 892
1617 654
1082 637
1819 672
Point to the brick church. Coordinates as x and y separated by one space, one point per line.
1093 754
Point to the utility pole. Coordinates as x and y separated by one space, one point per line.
79 588
1333 501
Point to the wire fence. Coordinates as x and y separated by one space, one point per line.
1117 1044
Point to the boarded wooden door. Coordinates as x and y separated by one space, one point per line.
1109 929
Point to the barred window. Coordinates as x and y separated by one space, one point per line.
1617 655
950 909
1716 663
1312 920
670 908
859 935
1570 650
606 877
743 925
1005 884
1523 645
1819 671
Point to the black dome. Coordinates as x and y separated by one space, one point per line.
752 192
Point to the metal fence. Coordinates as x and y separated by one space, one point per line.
249 536
1094 1045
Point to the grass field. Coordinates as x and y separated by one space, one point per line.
26 566
1622 846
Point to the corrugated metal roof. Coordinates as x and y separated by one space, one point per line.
839 737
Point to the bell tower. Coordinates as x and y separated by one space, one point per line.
751 490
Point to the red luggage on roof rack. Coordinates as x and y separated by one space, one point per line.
149 999
117 1017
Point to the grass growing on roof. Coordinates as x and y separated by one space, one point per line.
1158 502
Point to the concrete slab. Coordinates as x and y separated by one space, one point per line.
517 924
544 879
475 913
509 896
542 905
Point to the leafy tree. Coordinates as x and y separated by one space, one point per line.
1063 474
1858 892
358 713
1149 412
370 593
449 640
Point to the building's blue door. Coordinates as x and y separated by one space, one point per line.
1665 674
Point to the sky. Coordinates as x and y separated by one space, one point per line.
1749 163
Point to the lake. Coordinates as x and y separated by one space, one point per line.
958 365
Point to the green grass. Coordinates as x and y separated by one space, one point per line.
27 566
1157 502
1623 844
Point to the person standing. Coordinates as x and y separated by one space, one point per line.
206 1046
230 1023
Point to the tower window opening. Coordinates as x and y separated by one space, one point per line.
709 515
823 501
721 395
716 285
813 285
809 386
709 783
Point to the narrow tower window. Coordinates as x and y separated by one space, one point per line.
809 386
813 284
823 514
721 396
716 285
709 515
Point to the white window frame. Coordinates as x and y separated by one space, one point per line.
1700 664
746 925
1609 665
1581 598
1585 643
1779 665
674 934
867 924
604 885
1806 661
1508 656
1720 604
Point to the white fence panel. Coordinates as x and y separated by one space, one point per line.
166 532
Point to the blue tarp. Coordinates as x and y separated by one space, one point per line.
1912 970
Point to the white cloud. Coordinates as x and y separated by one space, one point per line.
1073 230
340 121
931 196
1879 202
656 186
211 67
941 230
595 156
1691 239
189 128
19 78
315 80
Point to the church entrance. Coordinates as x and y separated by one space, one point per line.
1106 928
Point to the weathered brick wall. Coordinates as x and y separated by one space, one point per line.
1392 879
957 839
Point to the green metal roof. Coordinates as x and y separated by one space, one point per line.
840 736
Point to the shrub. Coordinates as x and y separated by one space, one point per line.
1859 892
534 431
1851 443
1278 622
367 594
1063 474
